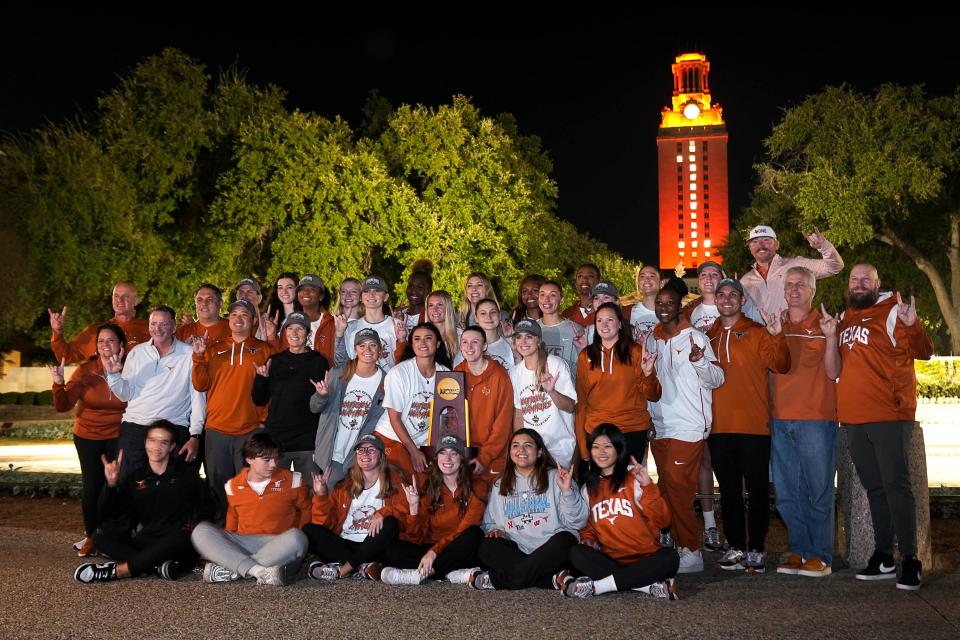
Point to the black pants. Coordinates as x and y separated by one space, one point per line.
657 566
145 552
461 553
511 568
636 442
91 471
330 547
131 441
740 459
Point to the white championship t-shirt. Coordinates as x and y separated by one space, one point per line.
361 509
409 393
353 412
388 339
538 411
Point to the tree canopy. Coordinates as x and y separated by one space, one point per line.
180 178
879 175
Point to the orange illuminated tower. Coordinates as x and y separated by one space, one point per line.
692 163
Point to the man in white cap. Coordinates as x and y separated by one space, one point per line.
764 282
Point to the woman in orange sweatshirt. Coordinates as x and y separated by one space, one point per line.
442 529
619 547
97 423
615 379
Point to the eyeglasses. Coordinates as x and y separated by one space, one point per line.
366 451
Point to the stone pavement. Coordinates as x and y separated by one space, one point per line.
41 600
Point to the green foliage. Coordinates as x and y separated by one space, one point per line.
938 378
9 397
183 178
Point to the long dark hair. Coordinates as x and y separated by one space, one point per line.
520 311
624 338
440 357
592 473
120 335
276 304
435 487
540 479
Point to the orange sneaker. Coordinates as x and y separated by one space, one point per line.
814 568
86 549
791 565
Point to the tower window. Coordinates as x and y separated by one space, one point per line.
679 158
692 146
692 168
705 146
679 147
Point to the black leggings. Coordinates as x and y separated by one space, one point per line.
657 566
91 471
330 547
145 552
740 459
511 568
461 553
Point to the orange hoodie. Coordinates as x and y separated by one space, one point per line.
612 392
99 413
85 344
446 523
746 352
226 371
283 505
627 529
490 398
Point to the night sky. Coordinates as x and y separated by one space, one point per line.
591 90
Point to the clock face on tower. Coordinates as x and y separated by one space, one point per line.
691 111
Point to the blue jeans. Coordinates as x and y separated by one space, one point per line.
804 454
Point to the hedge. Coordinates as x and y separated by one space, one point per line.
36 398
938 378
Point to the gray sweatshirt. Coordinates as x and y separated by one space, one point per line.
530 519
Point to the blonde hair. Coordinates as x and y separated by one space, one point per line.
386 478
466 308
350 368
449 329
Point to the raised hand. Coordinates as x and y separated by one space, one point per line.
199 345
906 313
186 318
113 364
320 482
647 359
111 470
263 370
828 323
56 371
322 387
639 472
565 478
772 322
57 320
816 239
400 328
413 496
269 323
340 324
580 341
506 326
548 382
696 353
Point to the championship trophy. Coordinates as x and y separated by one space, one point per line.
449 413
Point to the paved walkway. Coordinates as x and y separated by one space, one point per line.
41 600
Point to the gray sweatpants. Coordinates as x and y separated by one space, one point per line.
240 553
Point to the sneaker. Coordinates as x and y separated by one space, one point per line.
815 568
910 574
369 571
732 560
392 575
560 580
755 562
79 544
86 549
461 576
579 588
711 540
480 580
170 570
272 576
690 561
91 572
666 539
215 573
791 566
879 567
666 590
325 572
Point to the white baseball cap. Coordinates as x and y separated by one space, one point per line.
762 231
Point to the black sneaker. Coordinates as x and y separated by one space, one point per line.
879 567
170 570
910 574
92 572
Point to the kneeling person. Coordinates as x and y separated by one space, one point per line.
160 501
266 506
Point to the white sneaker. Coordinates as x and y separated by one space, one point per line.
461 576
392 575
215 573
690 561
272 576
